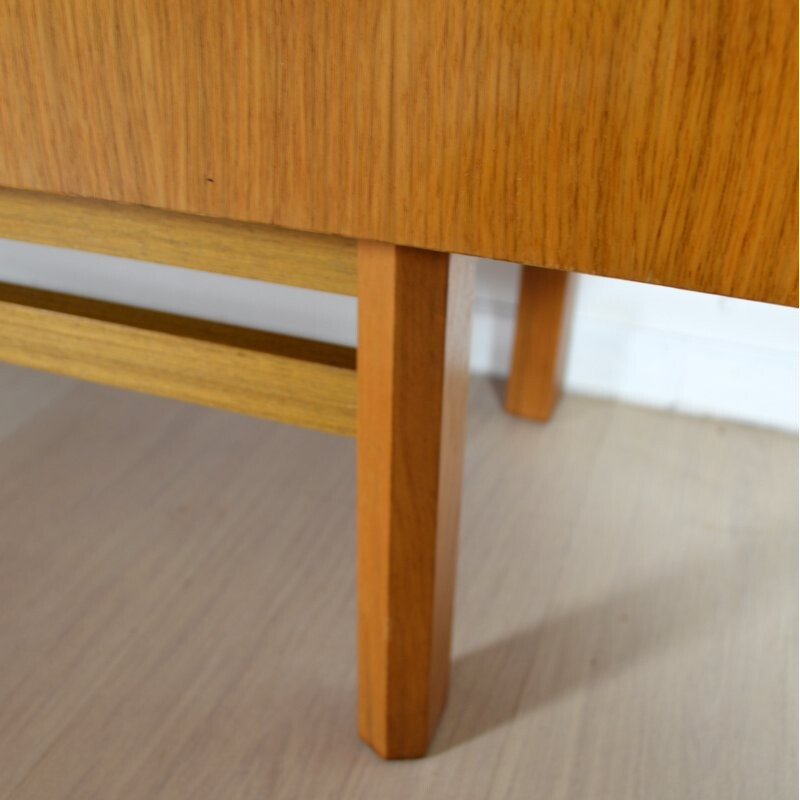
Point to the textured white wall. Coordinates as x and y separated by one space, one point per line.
691 352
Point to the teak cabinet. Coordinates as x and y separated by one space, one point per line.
350 146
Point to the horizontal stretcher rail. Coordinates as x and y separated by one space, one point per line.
298 381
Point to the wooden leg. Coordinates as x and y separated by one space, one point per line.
533 384
412 376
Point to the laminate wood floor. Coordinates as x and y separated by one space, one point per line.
177 607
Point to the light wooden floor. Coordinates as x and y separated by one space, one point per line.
177 609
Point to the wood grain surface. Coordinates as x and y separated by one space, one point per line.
534 380
177 607
413 358
247 250
269 375
653 140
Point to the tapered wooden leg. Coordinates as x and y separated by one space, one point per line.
412 375
534 382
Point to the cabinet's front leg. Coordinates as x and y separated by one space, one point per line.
413 346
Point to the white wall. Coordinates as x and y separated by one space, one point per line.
655 346
667 348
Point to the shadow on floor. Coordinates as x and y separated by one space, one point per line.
535 667
499 390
